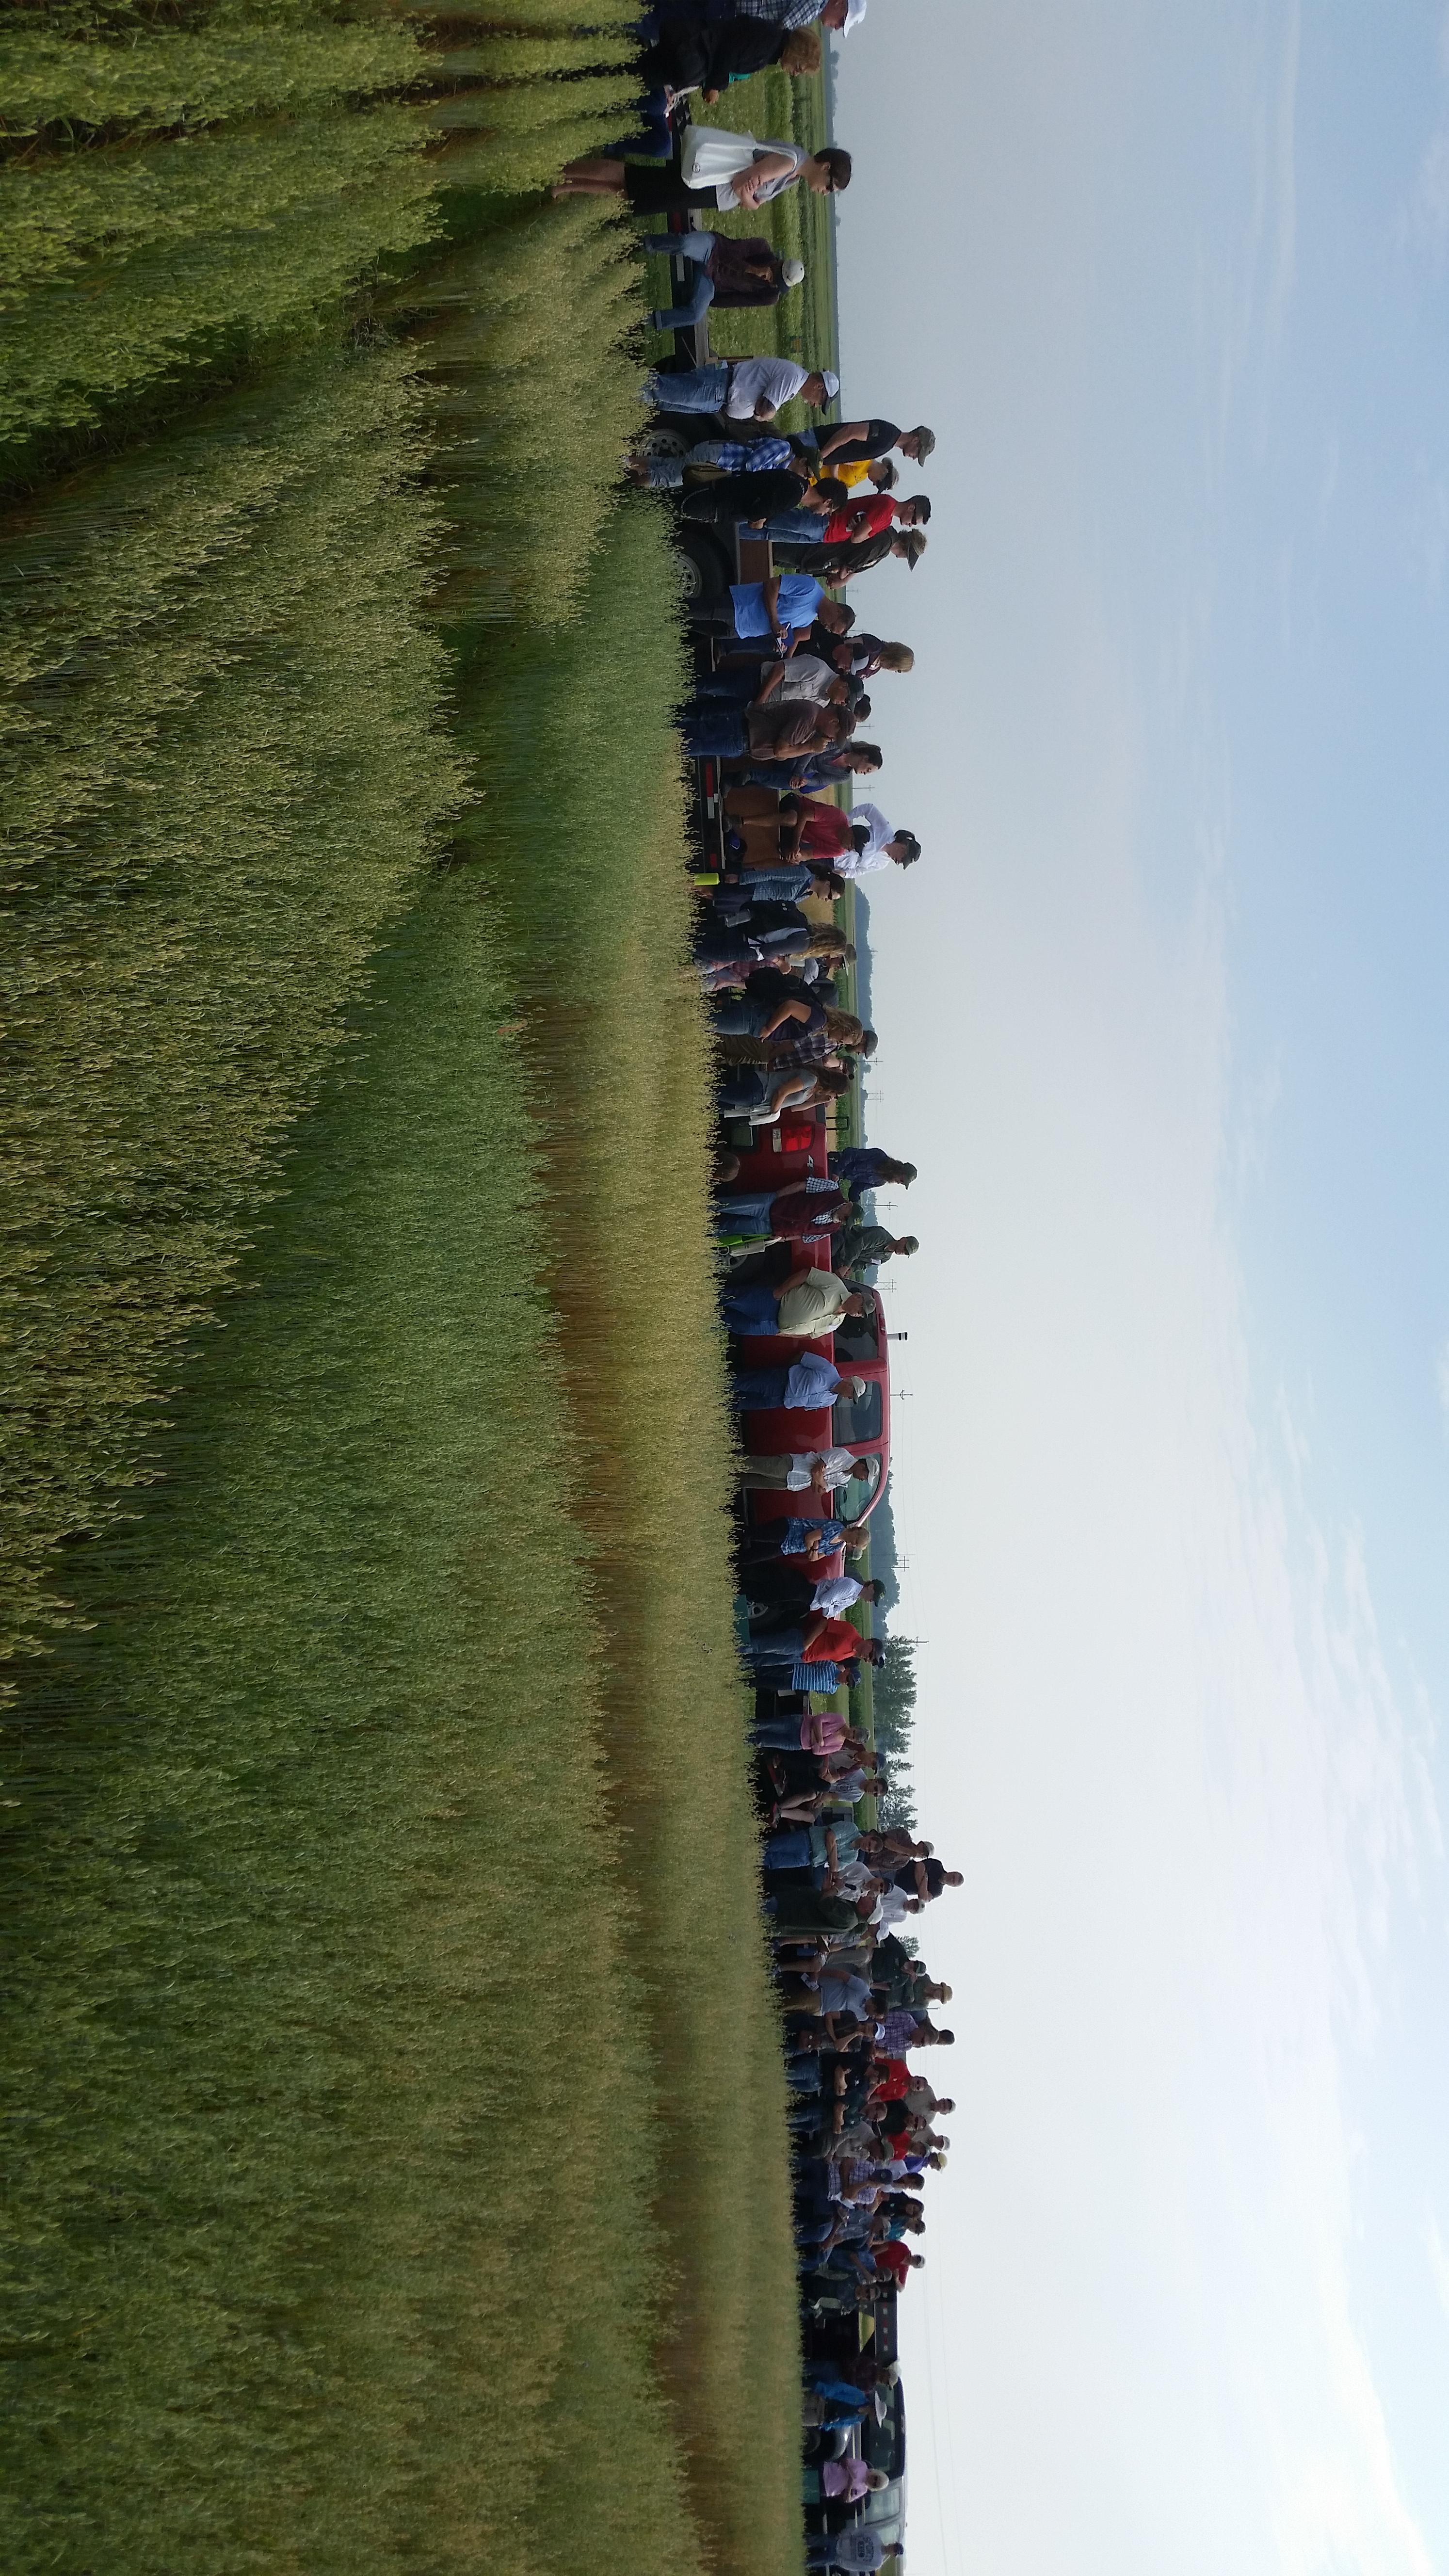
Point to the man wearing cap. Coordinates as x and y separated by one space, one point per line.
742 388
860 442
759 498
811 1384
727 273
885 847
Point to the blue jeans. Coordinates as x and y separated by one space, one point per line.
741 1019
716 733
755 1308
794 528
757 1390
683 317
767 885
727 688
697 247
696 389
655 141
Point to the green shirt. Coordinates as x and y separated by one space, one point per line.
856 1246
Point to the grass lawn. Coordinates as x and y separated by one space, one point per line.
399 2104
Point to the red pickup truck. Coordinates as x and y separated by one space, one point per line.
795 1150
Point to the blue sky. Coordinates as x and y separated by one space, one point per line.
1164 1025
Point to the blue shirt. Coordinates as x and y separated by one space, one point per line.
796 1534
811 1382
859 1163
800 597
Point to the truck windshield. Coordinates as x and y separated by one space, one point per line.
857 1338
856 1418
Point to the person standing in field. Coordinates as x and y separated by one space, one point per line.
861 442
810 1384
804 1471
781 611
741 388
760 501
859 1246
792 1595
807 1303
852 524
869 1167
859 2550
885 847
728 273
716 171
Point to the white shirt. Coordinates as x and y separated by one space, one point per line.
856 1875
772 380
891 1908
805 676
837 1594
796 154
710 156
864 863
836 1462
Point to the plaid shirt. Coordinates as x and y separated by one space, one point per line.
752 455
785 14
898 2031
812 1048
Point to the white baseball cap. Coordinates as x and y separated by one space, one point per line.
793 272
854 12
830 381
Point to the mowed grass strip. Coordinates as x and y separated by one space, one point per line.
581 837
334 2124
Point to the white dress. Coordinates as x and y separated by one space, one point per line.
712 157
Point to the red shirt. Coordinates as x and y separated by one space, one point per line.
837 1643
856 519
895 2259
825 832
895 2079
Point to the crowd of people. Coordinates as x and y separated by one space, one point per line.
782 688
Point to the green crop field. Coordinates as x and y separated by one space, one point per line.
396 2173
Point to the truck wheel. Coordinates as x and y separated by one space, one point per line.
660 440
707 569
